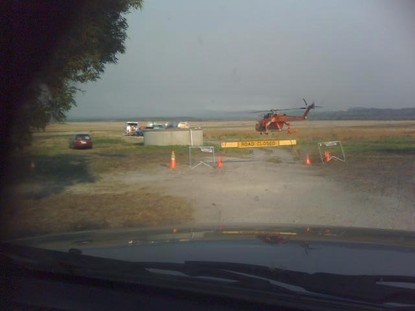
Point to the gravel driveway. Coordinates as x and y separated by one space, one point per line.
260 190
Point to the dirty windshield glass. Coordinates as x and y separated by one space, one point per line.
210 112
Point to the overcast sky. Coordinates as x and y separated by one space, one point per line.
184 57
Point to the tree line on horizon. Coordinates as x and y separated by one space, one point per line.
350 114
365 114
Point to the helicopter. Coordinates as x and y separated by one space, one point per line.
274 120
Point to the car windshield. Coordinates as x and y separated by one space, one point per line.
253 114
83 136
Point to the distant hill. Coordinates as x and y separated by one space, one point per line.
365 114
350 114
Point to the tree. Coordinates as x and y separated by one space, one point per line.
57 45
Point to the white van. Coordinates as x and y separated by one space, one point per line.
131 128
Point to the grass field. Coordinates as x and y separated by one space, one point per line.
56 189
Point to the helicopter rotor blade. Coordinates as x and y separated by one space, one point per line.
257 111
284 109
315 106
271 110
307 105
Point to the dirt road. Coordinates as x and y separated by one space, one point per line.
262 190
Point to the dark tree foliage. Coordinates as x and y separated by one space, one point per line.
55 46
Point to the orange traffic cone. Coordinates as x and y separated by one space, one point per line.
327 156
219 162
173 160
307 160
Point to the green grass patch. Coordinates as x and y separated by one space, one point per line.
390 145
109 141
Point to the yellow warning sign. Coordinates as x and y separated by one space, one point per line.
258 143
288 142
229 144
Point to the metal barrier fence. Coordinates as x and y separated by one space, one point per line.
202 155
331 150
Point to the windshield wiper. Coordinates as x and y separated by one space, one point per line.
376 289
75 263
368 288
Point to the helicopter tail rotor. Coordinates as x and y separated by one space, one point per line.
312 106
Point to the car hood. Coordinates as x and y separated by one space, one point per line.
308 249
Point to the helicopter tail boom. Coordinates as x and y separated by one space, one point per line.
307 109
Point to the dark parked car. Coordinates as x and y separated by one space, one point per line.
139 132
80 141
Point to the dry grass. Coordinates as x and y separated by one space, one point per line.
66 187
380 156
57 189
86 211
